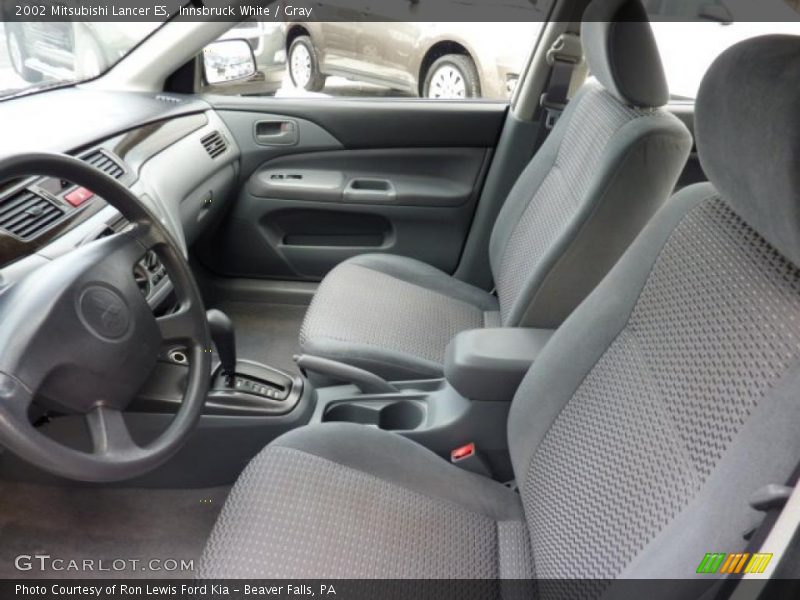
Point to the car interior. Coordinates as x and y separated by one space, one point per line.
553 339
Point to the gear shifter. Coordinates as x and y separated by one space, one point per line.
224 337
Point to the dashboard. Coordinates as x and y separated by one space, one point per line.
174 153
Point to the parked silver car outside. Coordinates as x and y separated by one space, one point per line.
426 59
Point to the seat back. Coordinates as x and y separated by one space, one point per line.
609 163
669 397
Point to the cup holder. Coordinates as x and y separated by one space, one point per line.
403 415
348 412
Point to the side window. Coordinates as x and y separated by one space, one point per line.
688 48
393 58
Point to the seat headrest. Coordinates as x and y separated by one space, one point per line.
622 54
747 125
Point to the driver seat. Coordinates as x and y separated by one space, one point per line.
654 413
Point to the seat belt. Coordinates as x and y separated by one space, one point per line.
568 71
770 500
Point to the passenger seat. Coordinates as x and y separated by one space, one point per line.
610 162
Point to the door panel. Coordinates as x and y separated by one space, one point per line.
385 123
375 179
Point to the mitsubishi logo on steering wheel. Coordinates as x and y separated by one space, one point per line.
104 311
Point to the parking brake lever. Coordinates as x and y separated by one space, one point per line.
367 382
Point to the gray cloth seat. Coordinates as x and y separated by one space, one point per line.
610 162
348 319
660 406
322 506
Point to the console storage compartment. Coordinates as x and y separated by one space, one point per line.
489 364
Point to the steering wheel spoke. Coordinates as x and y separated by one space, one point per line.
125 249
15 398
146 235
178 326
110 433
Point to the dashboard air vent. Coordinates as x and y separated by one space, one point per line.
27 214
214 144
105 163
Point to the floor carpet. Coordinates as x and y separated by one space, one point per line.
77 523
266 333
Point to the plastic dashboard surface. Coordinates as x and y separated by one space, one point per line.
130 129
69 119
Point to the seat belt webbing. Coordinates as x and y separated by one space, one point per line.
567 74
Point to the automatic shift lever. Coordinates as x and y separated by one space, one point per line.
224 337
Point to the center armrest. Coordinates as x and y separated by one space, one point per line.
489 364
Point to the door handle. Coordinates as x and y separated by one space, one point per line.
369 191
276 132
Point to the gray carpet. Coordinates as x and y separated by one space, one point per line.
76 523
266 333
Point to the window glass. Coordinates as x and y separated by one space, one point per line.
436 60
688 49
40 54
691 34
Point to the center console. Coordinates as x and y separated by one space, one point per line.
250 404
483 369
243 386
238 387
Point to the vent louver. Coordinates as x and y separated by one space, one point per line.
27 214
101 160
214 144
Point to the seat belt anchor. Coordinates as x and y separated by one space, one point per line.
566 48
467 458
770 497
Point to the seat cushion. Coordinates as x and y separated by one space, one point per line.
348 501
392 315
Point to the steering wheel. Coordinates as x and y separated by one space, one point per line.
80 333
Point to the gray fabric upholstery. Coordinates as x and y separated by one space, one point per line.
602 173
750 143
315 505
638 435
392 315
712 332
622 52
609 168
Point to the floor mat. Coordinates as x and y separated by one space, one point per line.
77 523
266 333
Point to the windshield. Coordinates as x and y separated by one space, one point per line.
34 55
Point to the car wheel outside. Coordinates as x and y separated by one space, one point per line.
452 77
18 55
304 65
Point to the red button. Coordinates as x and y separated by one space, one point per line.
463 452
79 196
